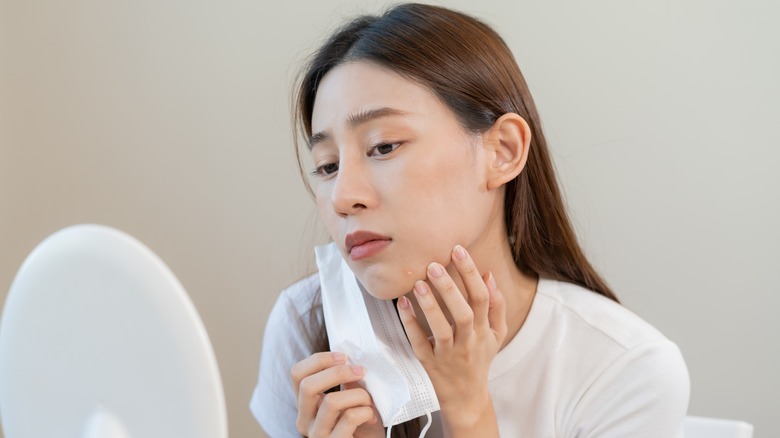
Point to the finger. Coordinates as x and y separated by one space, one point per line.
354 385
440 327
476 288
314 364
351 419
312 387
332 406
420 344
497 309
459 308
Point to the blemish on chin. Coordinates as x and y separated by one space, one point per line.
408 272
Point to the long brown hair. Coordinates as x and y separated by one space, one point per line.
470 68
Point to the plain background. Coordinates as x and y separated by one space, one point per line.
169 120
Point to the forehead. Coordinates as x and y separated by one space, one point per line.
355 87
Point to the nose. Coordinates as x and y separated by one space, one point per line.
353 190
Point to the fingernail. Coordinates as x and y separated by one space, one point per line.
339 357
403 303
435 269
492 281
459 252
357 370
420 288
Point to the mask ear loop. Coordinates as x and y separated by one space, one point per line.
390 427
422 432
427 425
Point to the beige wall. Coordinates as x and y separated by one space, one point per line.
169 120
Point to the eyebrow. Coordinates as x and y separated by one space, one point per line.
356 120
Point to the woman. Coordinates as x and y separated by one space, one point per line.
434 179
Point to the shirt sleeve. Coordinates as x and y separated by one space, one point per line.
285 342
644 393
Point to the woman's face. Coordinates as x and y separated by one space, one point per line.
399 181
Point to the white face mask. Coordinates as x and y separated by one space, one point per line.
370 333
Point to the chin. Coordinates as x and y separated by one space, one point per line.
384 287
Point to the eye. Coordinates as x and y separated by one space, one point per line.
383 149
326 169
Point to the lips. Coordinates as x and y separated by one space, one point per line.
362 244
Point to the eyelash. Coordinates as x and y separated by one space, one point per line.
320 170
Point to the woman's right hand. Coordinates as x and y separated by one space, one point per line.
346 413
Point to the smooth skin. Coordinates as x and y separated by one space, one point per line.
416 176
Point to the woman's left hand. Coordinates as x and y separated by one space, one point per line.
457 356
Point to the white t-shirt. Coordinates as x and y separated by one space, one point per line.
581 366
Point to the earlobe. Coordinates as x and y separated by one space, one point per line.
508 140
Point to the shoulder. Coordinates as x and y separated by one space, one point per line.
293 319
630 366
607 337
597 315
297 299
288 338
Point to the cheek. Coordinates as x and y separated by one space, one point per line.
441 192
325 211
447 207
320 199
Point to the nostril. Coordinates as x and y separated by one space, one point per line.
351 192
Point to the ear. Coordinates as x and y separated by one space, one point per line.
506 143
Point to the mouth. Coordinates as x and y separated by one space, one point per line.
363 244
